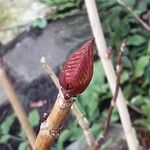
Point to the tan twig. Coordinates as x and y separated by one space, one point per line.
110 73
15 103
49 129
113 101
50 72
82 120
146 26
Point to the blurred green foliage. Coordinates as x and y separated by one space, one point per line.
118 23
5 127
64 8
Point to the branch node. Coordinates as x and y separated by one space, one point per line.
102 137
113 103
43 60
119 68
44 126
109 52
63 104
55 133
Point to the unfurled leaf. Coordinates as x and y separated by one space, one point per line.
148 48
89 99
137 100
126 62
143 122
6 124
34 118
140 65
128 2
136 40
23 146
146 107
22 134
4 138
127 91
124 77
65 135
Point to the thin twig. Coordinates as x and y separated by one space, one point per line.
110 73
137 110
113 101
16 104
82 120
146 26
84 124
50 72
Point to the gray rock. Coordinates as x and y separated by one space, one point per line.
55 43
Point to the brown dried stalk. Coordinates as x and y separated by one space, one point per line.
110 73
113 101
16 104
82 120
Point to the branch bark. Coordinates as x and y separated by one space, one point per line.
49 129
110 73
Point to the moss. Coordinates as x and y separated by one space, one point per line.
5 16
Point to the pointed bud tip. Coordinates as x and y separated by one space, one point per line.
81 62
92 39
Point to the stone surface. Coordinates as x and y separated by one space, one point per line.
55 43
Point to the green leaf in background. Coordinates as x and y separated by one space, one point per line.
89 99
142 7
23 146
21 134
6 124
142 62
65 135
143 122
105 3
115 115
127 62
136 40
148 48
137 100
128 2
124 77
124 27
4 138
146 107
34 118
127 91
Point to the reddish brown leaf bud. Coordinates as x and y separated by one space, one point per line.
77 71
